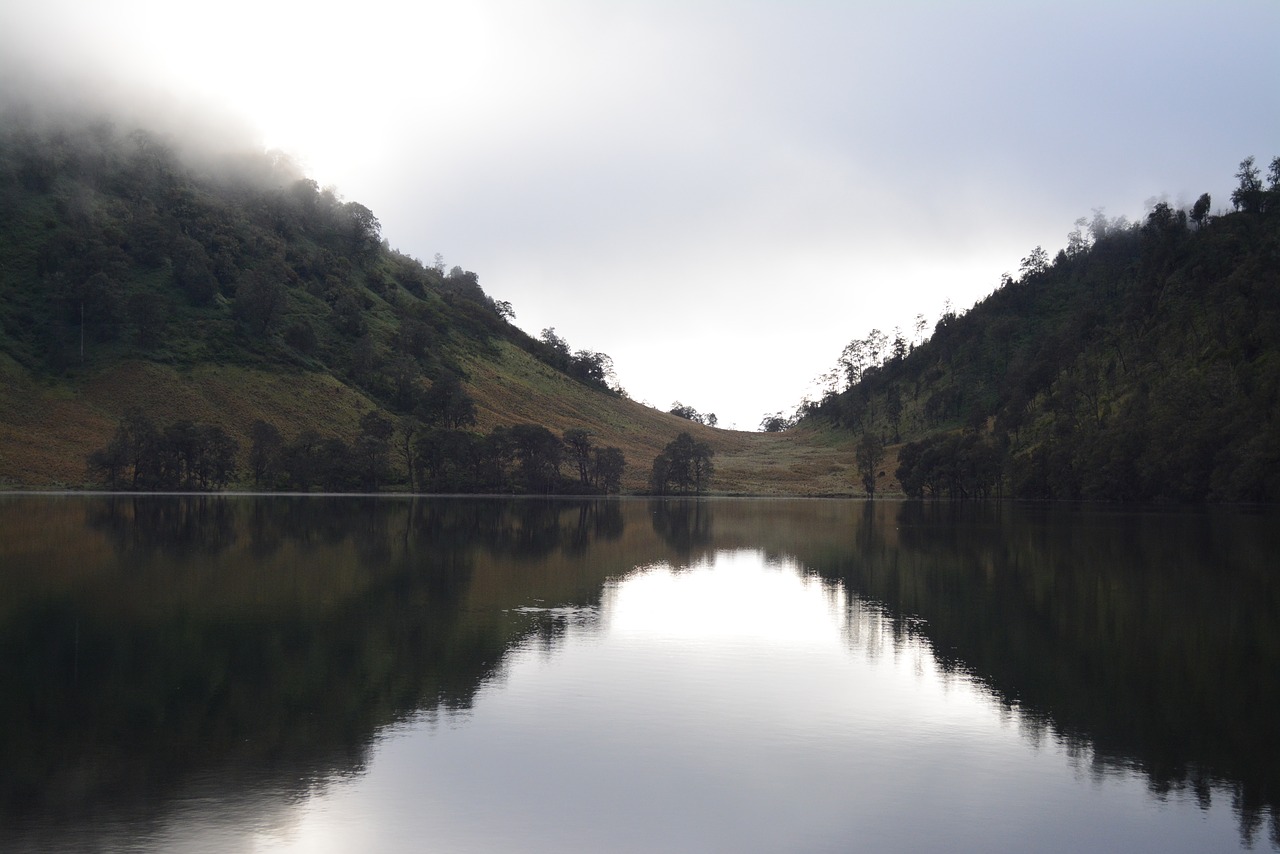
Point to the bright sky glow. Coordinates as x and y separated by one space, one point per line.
719 195
736 599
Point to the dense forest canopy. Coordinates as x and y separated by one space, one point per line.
115 245
1141 362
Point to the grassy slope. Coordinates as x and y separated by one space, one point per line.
515 388
79 200
48 429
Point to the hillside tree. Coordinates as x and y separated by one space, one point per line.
868 455
684 466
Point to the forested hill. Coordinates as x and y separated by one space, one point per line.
115 246
1140 363
170 299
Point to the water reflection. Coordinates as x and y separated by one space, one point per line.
260 643
684 525
1145 639
175 661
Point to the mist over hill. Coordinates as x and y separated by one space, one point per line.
122 243
174 315
160 293
124 251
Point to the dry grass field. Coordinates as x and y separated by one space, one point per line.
48 429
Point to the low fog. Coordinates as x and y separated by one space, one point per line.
720 196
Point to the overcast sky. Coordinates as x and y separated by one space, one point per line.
719 195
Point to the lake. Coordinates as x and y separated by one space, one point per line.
316 674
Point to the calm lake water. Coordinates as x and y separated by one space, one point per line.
306 674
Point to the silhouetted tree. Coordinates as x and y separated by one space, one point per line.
447 405
557 344
899 346
452 461
608 465
686 412
184 455
373 450
265 446
1034 264
538 455
853 361
1200 210
408 428
1248 194
684 466
591 368
336 469
869 454
299 461
111 465
958 467
365 232
497 453
775 422
577 442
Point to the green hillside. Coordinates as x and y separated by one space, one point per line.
179 321
117 247
1140 363
153 299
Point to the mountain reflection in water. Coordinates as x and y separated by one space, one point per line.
190 661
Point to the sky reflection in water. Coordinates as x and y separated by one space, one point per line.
735 705
307 674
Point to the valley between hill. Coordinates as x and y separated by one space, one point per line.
48 429
179 322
